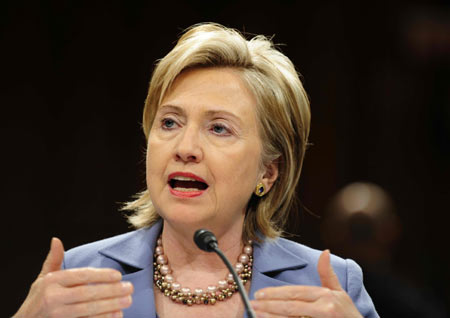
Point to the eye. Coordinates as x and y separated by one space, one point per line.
168 123
220 129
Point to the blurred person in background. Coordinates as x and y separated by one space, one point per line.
361 223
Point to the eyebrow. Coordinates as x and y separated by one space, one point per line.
173 108
209 113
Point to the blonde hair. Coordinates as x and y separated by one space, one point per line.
282 108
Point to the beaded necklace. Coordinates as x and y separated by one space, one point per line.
165 282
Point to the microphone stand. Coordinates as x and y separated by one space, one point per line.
207 241
250 312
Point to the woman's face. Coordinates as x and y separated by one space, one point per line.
204 150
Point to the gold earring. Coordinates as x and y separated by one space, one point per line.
260 189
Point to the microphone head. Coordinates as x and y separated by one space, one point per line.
205 240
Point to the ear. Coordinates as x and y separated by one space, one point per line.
270 174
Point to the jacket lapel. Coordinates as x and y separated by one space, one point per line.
272 257
143 297
136 253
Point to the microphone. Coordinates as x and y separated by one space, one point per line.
207 241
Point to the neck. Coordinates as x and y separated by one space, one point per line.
183 253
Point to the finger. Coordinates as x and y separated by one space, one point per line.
327 275
55 257
85 275
98 307
116 314
96 292
305 293
284 308
261 314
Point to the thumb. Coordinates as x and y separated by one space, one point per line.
54 258
327 275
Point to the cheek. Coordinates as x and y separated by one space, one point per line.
240 170
154 160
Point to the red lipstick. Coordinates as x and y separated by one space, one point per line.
186 184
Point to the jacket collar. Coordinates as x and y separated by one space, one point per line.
273 255
136 250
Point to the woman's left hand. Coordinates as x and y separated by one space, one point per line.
330 300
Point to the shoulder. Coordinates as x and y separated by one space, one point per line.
348 271
90 254
299 257
123 252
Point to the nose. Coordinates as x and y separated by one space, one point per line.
188 148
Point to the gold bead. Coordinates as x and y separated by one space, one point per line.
212 301
189 302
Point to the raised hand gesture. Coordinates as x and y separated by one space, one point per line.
81 292
329 300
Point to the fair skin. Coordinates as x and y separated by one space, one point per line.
207 126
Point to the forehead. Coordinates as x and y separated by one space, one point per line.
220 88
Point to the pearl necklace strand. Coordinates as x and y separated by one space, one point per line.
224 289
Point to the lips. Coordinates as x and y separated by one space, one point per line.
186 184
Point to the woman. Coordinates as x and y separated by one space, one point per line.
227 123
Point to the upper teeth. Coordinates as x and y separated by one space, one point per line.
180 178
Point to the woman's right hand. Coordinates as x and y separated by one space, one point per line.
79 292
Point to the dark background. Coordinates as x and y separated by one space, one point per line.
74 76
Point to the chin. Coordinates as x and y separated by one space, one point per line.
187 217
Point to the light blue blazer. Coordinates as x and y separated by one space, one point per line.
276 263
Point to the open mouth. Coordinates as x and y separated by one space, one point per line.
186 184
